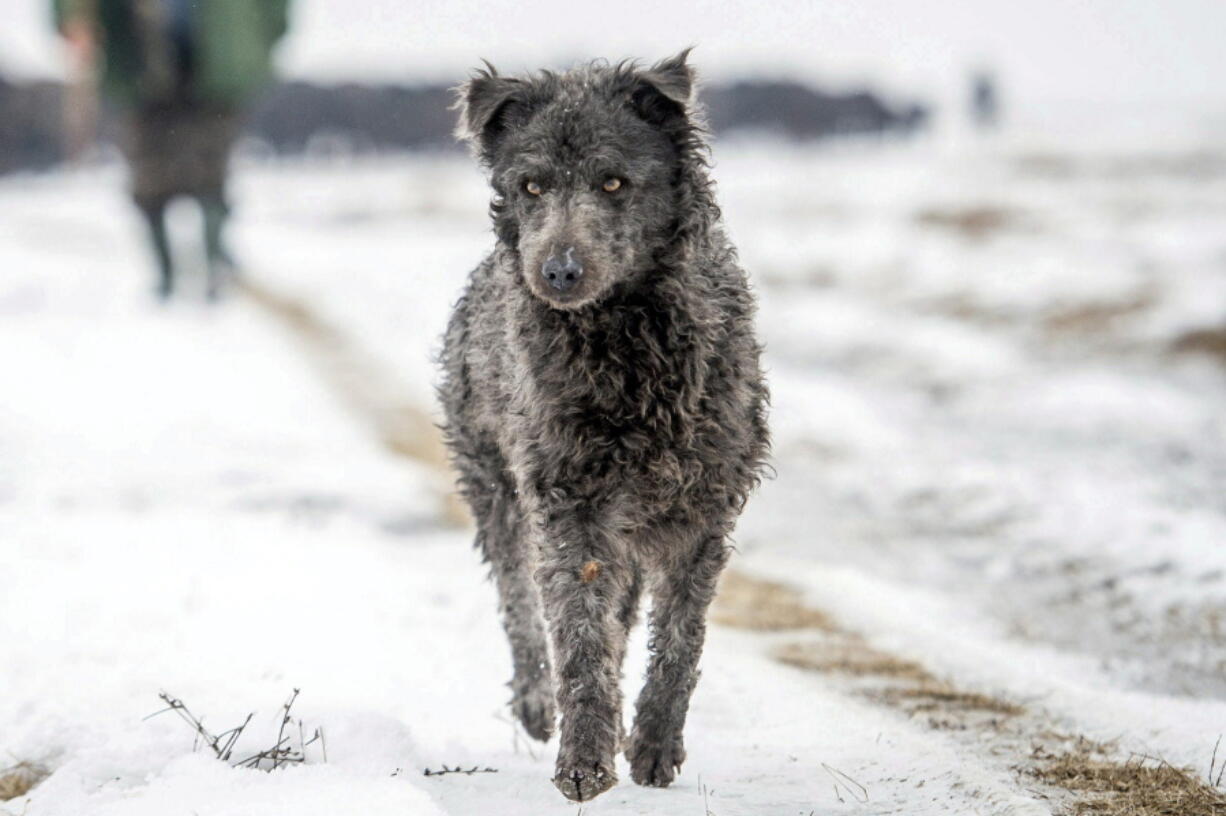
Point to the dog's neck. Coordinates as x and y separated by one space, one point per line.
623 355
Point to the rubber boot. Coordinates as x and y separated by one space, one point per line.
155 219
220 264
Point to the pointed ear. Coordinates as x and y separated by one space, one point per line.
665 90
673 77
483 102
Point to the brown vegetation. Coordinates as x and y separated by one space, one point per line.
1210 342
20 779
1099 317
851 657
744 602
1139 786
974 223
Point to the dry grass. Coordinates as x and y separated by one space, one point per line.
1210 342
1193 164
763 606
974 223
939 697
1141 786
20 779
912 688
1063 321
1097 318
965 307
282 753
852 657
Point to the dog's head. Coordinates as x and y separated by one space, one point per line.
587 169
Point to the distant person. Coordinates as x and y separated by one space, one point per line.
180 72
985 103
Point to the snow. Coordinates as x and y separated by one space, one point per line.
1029 503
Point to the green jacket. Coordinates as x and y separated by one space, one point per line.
232 39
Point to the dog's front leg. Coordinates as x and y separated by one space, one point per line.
682 589
585 585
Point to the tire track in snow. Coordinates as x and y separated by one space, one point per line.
1023 761
364 386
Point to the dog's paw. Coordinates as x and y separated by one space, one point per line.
582 782
536 711
655 763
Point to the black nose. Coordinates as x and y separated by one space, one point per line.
562 272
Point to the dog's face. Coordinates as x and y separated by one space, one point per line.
584 167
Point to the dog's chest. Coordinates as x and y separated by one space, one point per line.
606 408
618 382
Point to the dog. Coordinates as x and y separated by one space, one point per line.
604 404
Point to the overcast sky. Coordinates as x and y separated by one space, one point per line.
1045 51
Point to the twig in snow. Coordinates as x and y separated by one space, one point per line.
840 781
222 745
517 739
458 770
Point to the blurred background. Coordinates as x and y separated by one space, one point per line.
989 242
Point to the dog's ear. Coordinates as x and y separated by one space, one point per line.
483 102
663 92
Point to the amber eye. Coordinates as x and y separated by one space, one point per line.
611 184
533 188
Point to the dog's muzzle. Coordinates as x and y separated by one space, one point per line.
562 273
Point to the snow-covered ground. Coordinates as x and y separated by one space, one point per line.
990 461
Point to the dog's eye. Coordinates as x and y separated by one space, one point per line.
533 188
611 184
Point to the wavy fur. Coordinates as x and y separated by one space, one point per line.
627 431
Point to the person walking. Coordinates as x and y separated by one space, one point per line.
180 72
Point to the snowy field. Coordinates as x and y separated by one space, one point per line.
1000 506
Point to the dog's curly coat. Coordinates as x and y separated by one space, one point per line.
607 428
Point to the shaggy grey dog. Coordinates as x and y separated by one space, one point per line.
604 403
